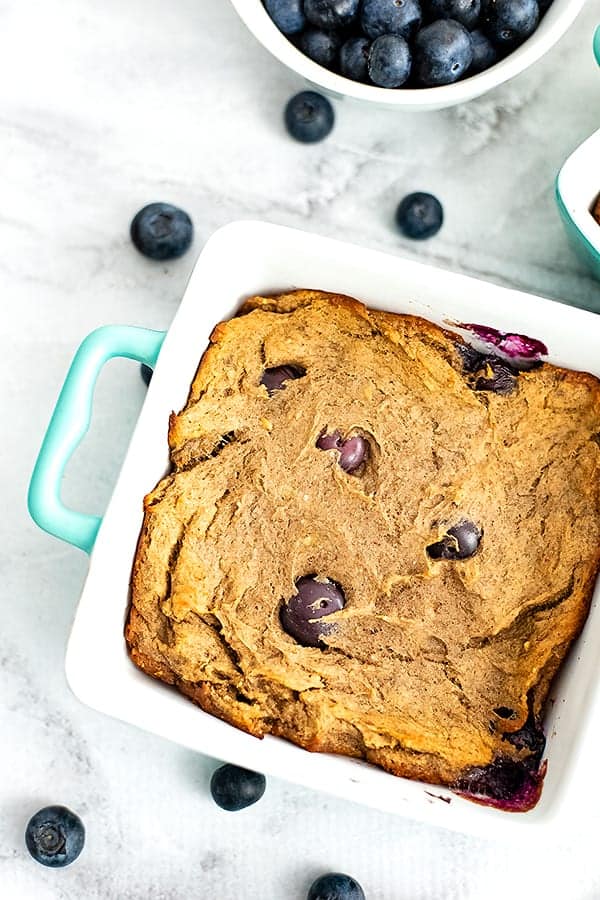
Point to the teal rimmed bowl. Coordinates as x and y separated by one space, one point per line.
577 188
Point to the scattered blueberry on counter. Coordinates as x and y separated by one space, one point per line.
419 216
336 886
309 117
447 40
161 231
234 788
55 836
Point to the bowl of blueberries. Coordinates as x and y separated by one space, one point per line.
410 54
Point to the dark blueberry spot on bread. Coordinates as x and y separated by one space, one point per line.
459 542
331 441
486 333
494 373
353 451
472 359
274 379
505 712
530 738
513 345
223 441
506 783
302 615
499 377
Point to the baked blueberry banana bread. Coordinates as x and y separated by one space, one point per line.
375 540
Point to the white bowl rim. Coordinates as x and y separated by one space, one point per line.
554 24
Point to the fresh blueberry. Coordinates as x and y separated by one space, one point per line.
419 216
353 451
301 616
55 836
309 117
389 61
354 57
485 55
443 52
234 788
274 379
459 542
544 6
288 15
335 886
331 13
146 373
464 11
321 46
162 231
510 22
401 17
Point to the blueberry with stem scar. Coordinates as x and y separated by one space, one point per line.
302 615
55 836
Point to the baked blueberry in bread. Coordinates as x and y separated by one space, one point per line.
375 540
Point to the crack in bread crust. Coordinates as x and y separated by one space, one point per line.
425 651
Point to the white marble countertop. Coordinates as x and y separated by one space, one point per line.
109 105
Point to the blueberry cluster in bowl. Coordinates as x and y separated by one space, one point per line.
407 43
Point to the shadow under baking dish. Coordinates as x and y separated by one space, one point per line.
248 258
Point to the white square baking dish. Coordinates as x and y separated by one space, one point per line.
242 259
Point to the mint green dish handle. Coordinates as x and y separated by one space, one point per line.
597 45
70 422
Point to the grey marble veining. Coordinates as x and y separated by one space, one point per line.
107 106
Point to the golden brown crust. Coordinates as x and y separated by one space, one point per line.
425 652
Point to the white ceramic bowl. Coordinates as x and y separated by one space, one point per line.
555 23
268 259
577 188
